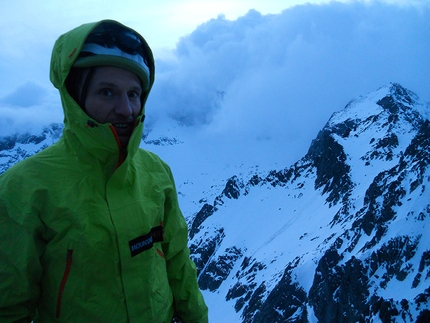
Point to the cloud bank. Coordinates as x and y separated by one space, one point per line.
30 107
27 95
280 77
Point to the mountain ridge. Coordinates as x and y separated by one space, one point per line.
362 205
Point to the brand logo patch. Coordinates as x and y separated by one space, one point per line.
72 53
146 241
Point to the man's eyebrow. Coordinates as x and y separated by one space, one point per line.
104 83
136 87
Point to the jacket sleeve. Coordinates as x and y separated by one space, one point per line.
188 300
20 268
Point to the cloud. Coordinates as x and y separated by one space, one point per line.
281 76
27 95
30 107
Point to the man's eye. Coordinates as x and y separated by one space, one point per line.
106 92
134 94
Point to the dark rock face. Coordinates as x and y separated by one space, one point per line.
286 302
205 250
246 287
329 160
163 141
218 269
339 291
206 211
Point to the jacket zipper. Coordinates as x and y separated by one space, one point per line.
121 154
63 281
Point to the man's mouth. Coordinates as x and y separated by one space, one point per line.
123 128
121 125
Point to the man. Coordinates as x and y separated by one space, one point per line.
90 228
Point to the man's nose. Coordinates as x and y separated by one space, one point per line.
123 106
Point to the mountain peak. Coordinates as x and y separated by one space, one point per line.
392 99
331 237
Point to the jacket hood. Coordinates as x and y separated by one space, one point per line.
83 132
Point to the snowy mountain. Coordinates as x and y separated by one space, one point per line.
339 236
18 146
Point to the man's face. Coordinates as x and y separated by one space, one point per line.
113 96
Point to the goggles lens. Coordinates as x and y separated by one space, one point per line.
125 40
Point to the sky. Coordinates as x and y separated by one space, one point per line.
29 26
250 71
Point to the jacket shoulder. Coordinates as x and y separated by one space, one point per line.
34 167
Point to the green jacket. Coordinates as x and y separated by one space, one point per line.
80 228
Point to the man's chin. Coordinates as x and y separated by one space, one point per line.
123 139
124 135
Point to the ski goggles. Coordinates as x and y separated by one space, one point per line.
113 45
